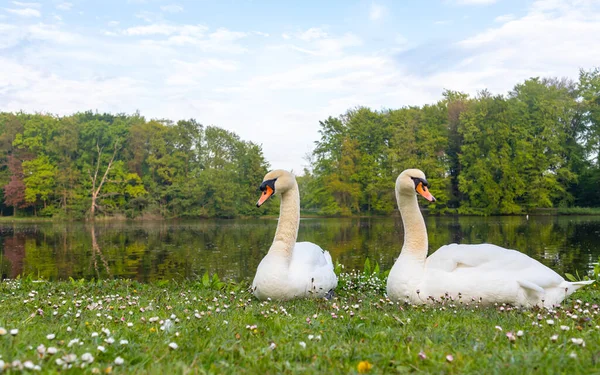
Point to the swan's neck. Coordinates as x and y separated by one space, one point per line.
289 220
415 233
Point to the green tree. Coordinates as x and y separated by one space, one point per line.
40 179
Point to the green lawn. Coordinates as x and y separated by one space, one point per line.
224 329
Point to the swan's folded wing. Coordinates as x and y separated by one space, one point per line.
491 259
484 256
311 268
310 254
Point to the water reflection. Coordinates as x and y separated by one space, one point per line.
233 248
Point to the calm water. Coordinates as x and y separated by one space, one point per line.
233 248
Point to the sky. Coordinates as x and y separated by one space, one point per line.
271 70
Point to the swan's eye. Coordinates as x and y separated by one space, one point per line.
418 181
269 183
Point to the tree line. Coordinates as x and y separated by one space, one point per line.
91 164
536 147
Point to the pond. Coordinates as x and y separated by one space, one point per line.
150 251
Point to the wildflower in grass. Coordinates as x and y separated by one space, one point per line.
449 358
422 355
578 341
109 340
51 336
173 346
129 324
3 331
573 355
51 350
41 349
28 365
565 328
520 333
101 348
498 328
550 322
302 344
554 338
14 331
272 346
94 334
364 367
69 329
87 357
123 342
510 336
119 361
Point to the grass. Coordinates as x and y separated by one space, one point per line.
579 211
221 328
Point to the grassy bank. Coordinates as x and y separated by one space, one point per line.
193 327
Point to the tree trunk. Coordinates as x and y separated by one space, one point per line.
97 186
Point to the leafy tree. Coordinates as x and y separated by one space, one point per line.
39 179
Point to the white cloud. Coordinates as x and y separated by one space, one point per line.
149 16
222 39
25 12
311 34
12 35
317 42
189 73
155 29
376 12
171 8
27 5
64 6
504 18
475 2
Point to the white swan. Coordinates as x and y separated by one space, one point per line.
485 271
291 269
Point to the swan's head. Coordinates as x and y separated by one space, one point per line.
277 181
411 181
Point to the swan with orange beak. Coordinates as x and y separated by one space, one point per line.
291 269
484 272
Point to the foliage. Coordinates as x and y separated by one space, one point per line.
88 162
537 147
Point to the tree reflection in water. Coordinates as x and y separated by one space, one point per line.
152 251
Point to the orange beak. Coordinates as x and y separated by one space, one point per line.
265 195
424 192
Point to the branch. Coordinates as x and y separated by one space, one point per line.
112 159
95 178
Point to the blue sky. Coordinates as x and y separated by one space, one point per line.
270 70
